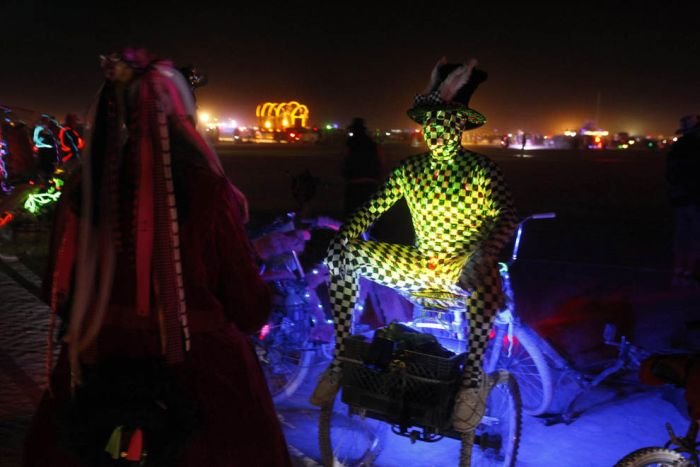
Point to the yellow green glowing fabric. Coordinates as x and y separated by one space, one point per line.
462 214
458 200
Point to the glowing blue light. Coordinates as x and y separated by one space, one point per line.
517 242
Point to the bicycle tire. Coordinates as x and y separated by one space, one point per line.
348 439
527 364
652 457
500 430
282 386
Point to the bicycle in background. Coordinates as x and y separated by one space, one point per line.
684 451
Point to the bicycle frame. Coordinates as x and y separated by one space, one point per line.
688 444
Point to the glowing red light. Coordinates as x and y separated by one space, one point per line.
506 341
5 219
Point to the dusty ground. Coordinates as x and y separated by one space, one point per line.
605 258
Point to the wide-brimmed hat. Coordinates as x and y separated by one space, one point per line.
459 103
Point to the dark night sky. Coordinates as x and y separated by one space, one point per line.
546 64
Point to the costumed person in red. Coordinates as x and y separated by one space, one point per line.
152 277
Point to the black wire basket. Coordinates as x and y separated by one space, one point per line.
416 389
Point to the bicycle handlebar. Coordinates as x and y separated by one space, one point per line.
543 215
519 234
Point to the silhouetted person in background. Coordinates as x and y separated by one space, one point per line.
46 147
683 176
72 143
363 168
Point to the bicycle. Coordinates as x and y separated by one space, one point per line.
413 395
682 371
284 345
513 346
678 451
516 347
299 329
629 357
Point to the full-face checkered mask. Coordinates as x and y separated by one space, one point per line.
442 131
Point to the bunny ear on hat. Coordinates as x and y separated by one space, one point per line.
459 102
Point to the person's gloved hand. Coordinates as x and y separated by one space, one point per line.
277 243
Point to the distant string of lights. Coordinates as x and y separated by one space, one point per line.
282 115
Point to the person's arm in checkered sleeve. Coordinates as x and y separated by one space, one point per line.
497 232
501 208
387 195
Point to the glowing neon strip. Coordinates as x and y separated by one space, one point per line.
5 219
282 114
36 201
431 326
517 242
38 140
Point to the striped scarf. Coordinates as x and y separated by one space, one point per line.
162 99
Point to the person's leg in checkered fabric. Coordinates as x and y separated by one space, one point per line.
400 267
482 305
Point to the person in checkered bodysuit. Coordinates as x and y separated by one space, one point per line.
462 214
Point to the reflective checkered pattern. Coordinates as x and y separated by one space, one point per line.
428 100
461 210
482 305
442 132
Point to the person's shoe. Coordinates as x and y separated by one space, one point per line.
469 408
326 389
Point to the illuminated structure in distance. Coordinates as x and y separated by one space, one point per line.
279 116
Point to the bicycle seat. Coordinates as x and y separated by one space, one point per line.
440 299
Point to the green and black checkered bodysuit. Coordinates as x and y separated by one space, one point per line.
461 210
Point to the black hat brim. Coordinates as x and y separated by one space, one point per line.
473 119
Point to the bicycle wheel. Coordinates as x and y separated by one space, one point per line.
284 368
497 437
348 438
651 457
526 362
